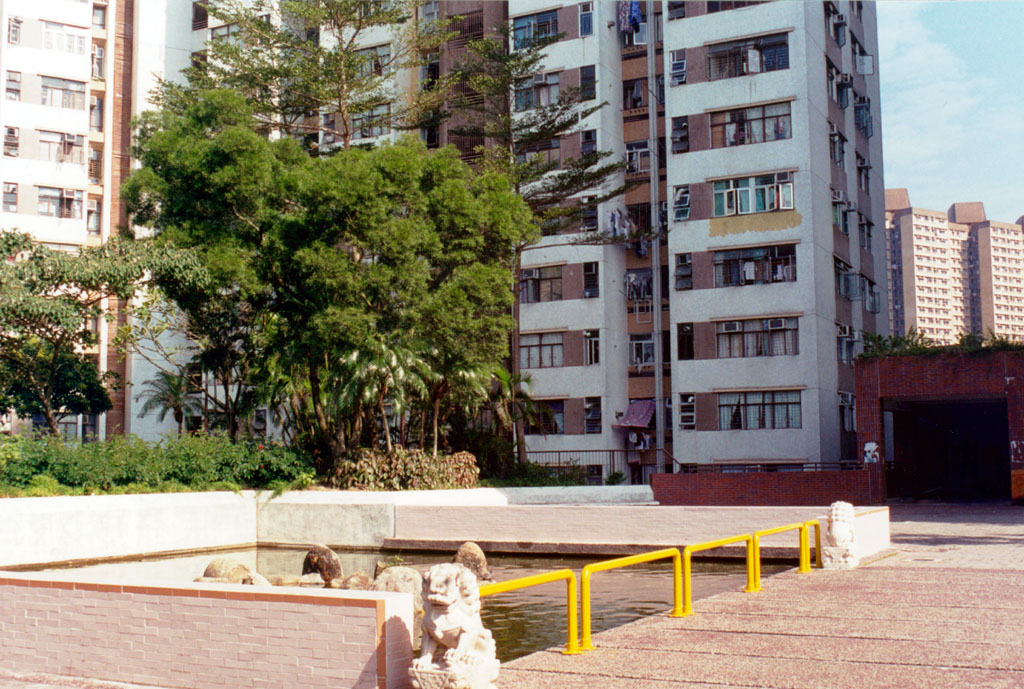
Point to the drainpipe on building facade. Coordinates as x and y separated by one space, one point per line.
655 215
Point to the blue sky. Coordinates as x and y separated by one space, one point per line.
952 80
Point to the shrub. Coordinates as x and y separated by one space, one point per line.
616 478
538 476
403 469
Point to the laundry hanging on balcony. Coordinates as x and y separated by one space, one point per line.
637 416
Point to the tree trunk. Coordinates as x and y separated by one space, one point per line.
384 423
437 411
520 434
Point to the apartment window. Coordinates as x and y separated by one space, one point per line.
469 28
862 115
586 19
757 337
676 10
95 113
677 66
848 411
588 217
540 90
58 147
863 174
63 93
684 341
749 411
535 27
847 282
14 30
59 38
760 194
99 17
864 63
229 33
872 302
95 166
94 216
836 146
680 134
751 125
543 350
687 411
10 197
638 157
681 202
49 201
11 142
641 350
374 60
13 85
371 123
634 94
540 284
98 62
639 284
684 272
865 228
588 141
592 415
731 5
749 56
591 347
755 266
552 419
846 342
588 82
429 11
839 84
840 221
200 18
835 24
591 284
548 153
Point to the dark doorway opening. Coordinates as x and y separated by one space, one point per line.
952 450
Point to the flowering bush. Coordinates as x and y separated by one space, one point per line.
406 470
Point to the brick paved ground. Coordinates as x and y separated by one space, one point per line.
946 611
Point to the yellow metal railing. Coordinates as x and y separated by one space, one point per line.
817 539
805 550
589 570
711 545
572 647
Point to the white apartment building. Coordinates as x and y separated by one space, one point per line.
772 175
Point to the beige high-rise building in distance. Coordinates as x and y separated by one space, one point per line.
953 272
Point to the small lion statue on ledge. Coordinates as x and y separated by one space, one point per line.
458 652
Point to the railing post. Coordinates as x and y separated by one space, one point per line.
805 550
687 584
585 644
572 647
753 564
677 586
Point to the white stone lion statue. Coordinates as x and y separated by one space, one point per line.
457 652
839 537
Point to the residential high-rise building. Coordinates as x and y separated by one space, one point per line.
953 272
65 153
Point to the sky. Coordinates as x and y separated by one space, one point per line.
952 82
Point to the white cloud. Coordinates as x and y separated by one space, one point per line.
949 133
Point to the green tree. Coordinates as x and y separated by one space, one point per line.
303 69
336 253
513 406
169 392
49 303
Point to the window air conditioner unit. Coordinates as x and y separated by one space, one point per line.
855 335
776 323
783 176
845 399
838 195
845 78
731 327
93 205
861 100
865 165
68 193
528 274
840 20
540 78
843 330
851 206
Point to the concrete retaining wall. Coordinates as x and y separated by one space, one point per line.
38 530
206 636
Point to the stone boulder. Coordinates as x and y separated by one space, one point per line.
312 580
232 570
285 580
323 561
359 581
257 579
472 557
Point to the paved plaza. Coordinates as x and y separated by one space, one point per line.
944 610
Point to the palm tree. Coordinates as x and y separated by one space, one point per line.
169 392
452 377
514 406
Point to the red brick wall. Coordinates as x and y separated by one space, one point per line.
205 637
778 489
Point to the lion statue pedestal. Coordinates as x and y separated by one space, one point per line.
458 652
